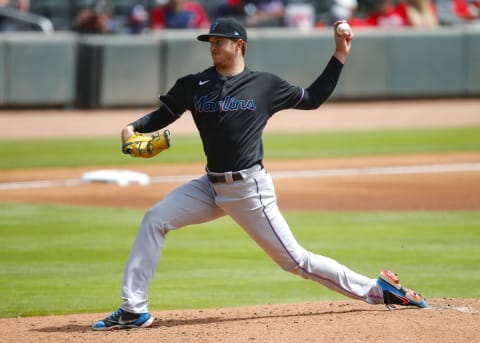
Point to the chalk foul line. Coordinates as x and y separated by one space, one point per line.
285 174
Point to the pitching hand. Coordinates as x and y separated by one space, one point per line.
343 42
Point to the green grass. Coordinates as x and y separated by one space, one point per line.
370 143
63 259
106 151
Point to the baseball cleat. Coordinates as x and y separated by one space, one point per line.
121 319
395 294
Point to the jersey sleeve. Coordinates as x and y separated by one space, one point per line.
174 104
178 98
283 94
154 121
321 89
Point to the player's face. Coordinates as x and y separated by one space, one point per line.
223 50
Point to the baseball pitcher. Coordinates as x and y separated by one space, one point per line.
231 105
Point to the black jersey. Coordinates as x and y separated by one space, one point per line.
231 112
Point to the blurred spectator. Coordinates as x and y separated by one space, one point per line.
469 10
19 5
446 12
384 13
262 13
342 9
7 24
231 9
452 12
179 14
23 5
3 21
97 18
419 13
138 19
300 16
253 13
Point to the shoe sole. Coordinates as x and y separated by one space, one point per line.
400 293
145 324
391 279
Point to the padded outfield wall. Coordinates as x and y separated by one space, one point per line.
92 71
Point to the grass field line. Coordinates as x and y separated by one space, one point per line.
280 174
394 170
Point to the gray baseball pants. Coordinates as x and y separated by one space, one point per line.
252 203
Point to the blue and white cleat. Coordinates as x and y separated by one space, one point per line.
395 294
121 319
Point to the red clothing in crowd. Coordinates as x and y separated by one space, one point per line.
463 10
191 16
391 18
402 10
389 14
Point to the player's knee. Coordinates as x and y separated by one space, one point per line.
152 221
296 266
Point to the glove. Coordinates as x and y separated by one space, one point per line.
139 145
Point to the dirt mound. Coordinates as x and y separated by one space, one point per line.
446 320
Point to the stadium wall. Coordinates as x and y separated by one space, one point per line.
94 71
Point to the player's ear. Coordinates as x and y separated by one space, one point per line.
242 45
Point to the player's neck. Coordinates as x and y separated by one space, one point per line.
232 69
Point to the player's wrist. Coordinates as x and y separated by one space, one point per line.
341 56
127 132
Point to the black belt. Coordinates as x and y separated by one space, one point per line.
222 179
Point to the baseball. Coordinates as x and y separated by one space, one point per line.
342 28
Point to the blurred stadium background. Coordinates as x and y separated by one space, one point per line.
66 69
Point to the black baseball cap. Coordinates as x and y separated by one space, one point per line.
225 27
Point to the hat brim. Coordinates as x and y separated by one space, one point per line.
206 37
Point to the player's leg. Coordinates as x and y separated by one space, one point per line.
191 203
256 211
188 204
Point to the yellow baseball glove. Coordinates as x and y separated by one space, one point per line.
140 145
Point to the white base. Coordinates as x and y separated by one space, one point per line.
119 177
